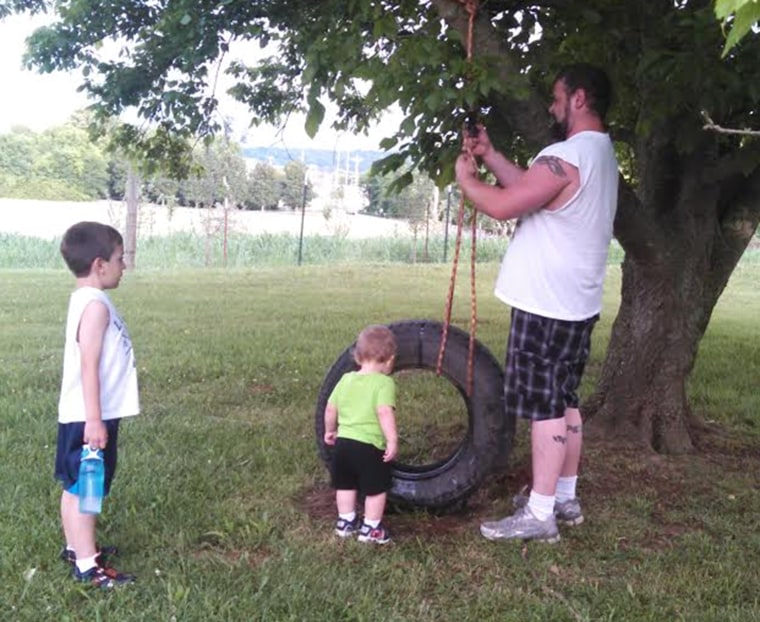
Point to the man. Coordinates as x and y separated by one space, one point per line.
551 276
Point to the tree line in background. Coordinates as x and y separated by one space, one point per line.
64 164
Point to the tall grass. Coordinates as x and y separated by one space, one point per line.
221 504
186 250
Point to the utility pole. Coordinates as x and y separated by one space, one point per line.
130 233
303 212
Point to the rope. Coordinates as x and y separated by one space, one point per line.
471 6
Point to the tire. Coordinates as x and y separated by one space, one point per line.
448 482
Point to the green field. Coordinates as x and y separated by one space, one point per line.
221 504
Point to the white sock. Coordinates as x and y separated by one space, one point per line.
541 506
83 565
348 517
371 523
566 488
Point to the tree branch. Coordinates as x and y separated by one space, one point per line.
712 126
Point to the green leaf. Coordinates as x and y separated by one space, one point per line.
386 144
746 14
314 118
724 8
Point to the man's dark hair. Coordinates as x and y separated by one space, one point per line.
85 242
593 80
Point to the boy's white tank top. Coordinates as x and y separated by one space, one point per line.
118 372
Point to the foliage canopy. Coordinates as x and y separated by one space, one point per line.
160 62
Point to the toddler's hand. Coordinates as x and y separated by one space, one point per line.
391 450
330 438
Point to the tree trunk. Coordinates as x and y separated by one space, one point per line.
673 275
641 394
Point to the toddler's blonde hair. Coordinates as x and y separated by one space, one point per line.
375 343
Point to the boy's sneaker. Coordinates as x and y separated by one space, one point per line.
104 578
104 552
522 525
346 528
378 535
567 512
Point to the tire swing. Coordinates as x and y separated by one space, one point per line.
447 482
465 363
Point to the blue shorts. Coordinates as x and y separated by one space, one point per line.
545 363
359 466
69 452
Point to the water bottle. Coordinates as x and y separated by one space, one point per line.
91 480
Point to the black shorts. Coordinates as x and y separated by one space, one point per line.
544 364
69 452
359 466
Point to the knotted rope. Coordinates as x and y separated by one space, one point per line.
471 6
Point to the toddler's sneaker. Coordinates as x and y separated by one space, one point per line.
104 578
347 528
378 535
104 552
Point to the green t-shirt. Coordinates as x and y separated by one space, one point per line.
357 397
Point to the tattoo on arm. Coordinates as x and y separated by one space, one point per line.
553 163
559 439
575 429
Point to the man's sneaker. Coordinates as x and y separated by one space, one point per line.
346 528
104 578
378 535
567 512
104 553
522 525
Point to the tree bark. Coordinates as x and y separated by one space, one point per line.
671 283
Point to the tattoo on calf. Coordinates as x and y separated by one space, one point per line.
575 429
559 439
553 163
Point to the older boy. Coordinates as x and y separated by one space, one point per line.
98 388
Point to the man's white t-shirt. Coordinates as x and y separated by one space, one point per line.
556 261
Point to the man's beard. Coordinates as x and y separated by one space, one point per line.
558 130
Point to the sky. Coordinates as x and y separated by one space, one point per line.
42 101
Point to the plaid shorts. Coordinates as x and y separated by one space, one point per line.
544 365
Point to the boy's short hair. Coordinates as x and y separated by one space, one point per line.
375 343
85 242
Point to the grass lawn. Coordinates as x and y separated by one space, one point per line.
221 504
